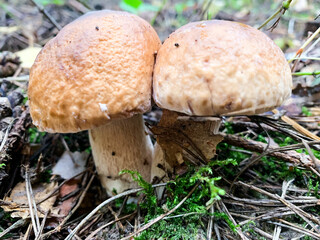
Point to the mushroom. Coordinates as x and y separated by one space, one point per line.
96 75
213 68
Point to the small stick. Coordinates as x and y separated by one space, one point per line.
42 224
216 229
45 12
210 224
116 218
64 143
241 234
277 230
279 212
57 188
153 20
314 159
106 225
262 233
4 140
33 216
24 78
294 208
280 152
291 224
282 10
106 202
27 234
21 222
304 231
58 228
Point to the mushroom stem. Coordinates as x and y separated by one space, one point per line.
121 144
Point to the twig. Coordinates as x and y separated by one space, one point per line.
269 202
183 215
21 222
153 20
314 159
239 231
294 208
116 217
277 230
45 12
262 233
278 212
106 225
64 143
293 225
24 78
101 205
216 229
281 10
90 224
32 206
42 225
4 140
295 228
27 233
302 48
61 184
210 224
157 219
280 152
205 10
58 228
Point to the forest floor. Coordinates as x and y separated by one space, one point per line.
263 183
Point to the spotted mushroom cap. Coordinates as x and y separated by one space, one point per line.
98 68
220 68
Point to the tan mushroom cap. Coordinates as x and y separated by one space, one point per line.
97 68
220 68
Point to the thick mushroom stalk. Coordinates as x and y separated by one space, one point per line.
95 73
121 144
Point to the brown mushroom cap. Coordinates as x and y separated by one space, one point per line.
220 68
97 68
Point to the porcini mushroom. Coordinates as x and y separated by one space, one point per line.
96 74
214 68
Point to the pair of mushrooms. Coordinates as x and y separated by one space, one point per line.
96 75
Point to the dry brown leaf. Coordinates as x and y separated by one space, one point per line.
67 188
65 166
19 200
182 139
28 56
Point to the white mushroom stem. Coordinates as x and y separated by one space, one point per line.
121 144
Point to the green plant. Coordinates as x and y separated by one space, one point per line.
191 211
136 6
2 165
306 111
151 199
47 2
34 135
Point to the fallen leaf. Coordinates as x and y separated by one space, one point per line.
186 139
65 166
28 56
19 200
67 188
